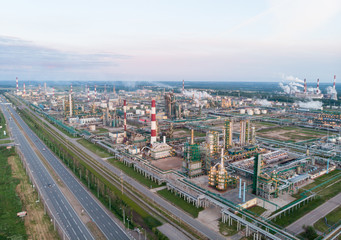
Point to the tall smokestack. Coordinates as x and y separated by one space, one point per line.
318 85
305 85
125 117
183 85
17 82
53 92
334 81
70 104
114 90
71 89
192 136
24 89
153 123
222 159
88 94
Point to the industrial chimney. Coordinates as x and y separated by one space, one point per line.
305 85
153 123
125 117
17 82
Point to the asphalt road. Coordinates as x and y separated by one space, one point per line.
310 218
56 201
98 215
209 233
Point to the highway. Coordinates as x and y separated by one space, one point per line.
94 209
144 190
54 198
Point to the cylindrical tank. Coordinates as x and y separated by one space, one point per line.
242 111
250 112
257 111
264 111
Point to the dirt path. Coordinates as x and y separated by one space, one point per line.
37 224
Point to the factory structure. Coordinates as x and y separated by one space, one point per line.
202 145
295 88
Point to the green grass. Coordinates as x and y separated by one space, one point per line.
257 210
332 218
132 173
5 141
11 226
94 148
300 212
227 230
196 133
101 130
3 124
268 124
180 202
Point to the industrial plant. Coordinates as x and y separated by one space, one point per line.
225 154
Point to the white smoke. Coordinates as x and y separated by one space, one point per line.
296 84
310 104
292 78
331 90
285 88
263 102
311 89
197 94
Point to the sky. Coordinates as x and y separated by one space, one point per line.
159 40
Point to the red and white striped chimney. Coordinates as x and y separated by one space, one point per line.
88 94
153 123
305 85
334 81
53 92
71 89
24 89
125 117
318 85
17 82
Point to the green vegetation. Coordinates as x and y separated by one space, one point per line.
94 148
298 213
309 233
3 124
5 141
132 173
294 133
180 202
257 210
188 132
268 124
102 130
227 230
11 226
332 219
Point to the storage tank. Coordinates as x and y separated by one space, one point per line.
257 111
92 127
264 111
242 111
250 112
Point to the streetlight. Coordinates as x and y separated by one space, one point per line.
128 222
124 220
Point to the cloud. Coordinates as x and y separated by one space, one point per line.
25 59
